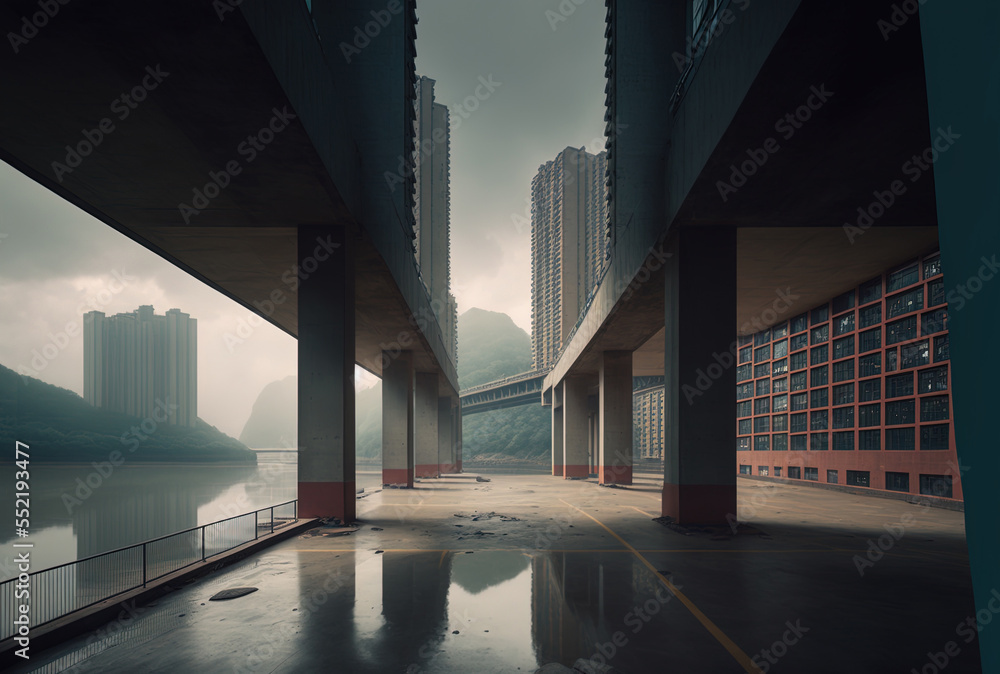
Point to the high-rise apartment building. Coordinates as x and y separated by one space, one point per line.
432 208
137 363
569 214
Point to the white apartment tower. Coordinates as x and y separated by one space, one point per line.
137 363
569 215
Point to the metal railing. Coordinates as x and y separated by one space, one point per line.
60 590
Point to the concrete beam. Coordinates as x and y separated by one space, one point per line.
326 474
397 420
615 403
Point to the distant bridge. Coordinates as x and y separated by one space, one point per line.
520 389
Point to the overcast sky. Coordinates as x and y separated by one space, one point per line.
547 72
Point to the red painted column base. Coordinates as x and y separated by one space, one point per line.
459 466
557 470
328 499
399 477
699 503
576 471
614 474
446 469
426 470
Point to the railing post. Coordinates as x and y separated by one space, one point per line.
203 544
295 510
255 529
144 565
272 519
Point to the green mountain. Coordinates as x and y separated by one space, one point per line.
59 425
492 347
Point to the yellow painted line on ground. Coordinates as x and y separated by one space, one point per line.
713 629
441 561
650 515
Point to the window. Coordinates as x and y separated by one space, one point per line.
820 334
812 474
744 426
934 437
870 316
762 406
798 381
777 471
798 443
820 398
844 370
869 415
843 324
869 340
798 361
799 342
763 387
744 409
843 394
843 441
933 321
779 442
745 470
779 385
819 442
744 391
870 440
799 323
798 423
800 401
899 439
858 478
779 403
903 277
904 303
742 444
745 339
779 366
843 417
762 470
746 353
843 347
914 355
899 412
933 379
901 331
941 350
781 349
761 443
870 365
762 425
890 360
818 420
831 475
935 292
897 481
744 372
779 422
762 337
936 485
819 376
763 353
932 267
870 389
842 303
819 354
870 291
762 370
819 314
899 385
779 331
794 472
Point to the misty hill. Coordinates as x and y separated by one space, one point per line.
274 418
59 425
492 347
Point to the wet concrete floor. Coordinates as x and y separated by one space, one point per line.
508 575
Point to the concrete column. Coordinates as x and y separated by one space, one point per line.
557 430
446 435
615 406
576 428
397 419
458 435
699 444
326 374
426 421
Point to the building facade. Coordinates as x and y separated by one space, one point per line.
569 212
139 363
432 208
647 421
856 391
